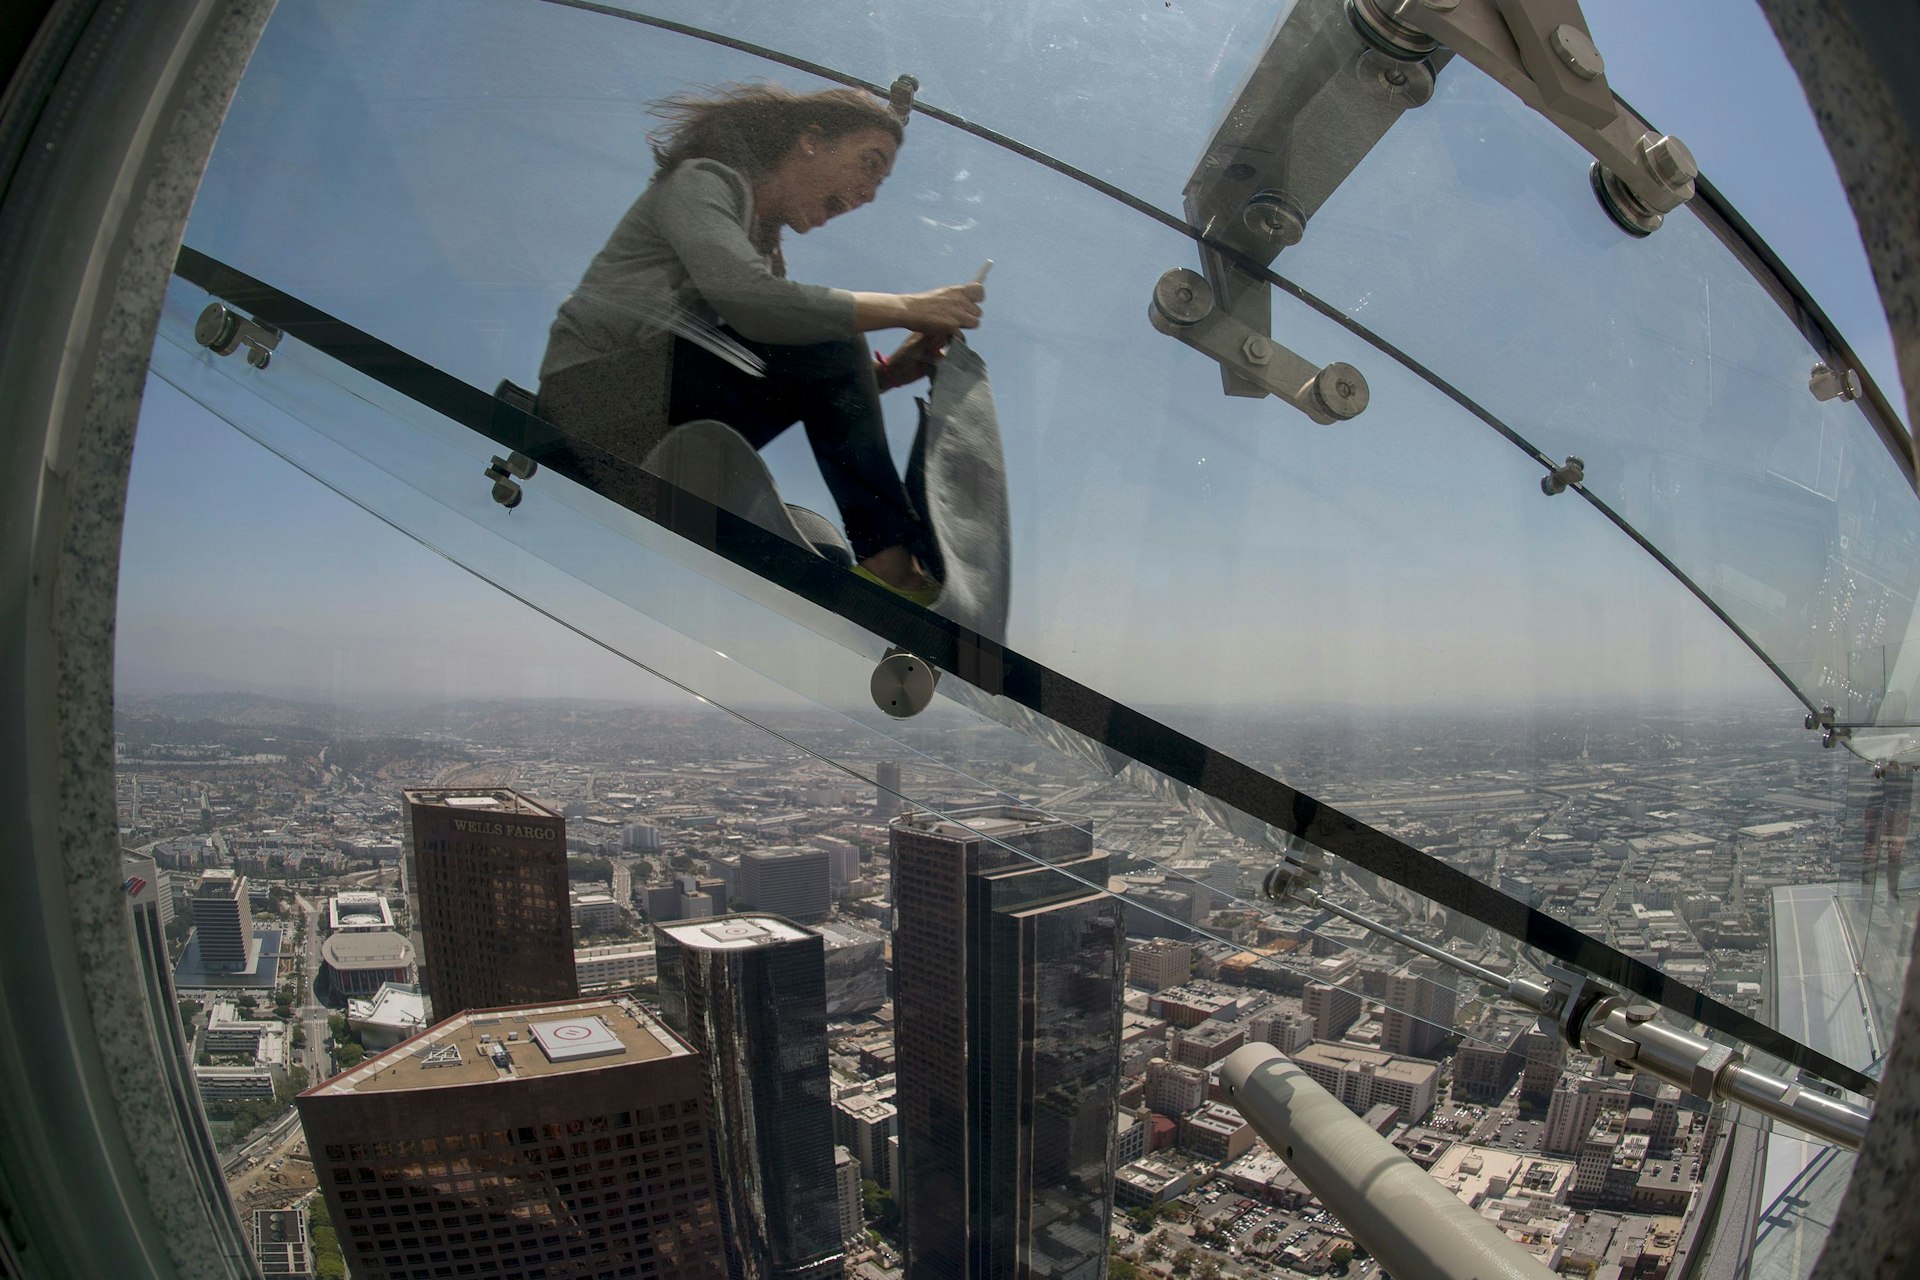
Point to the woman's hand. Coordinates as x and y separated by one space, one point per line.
915 359
945 311
939 313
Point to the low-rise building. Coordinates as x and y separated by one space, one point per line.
280 1243
1362 1078
617 964
1151 1181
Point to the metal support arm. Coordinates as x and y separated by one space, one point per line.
1541 52
1597 1019
1404 1217
1183 308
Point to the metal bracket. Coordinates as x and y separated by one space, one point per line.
503 473
1315 103
900 96
1541 52
1183 307
1821 719
224 331
902 684
1827 383
1298 874
1572 471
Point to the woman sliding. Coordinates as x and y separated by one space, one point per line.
687 312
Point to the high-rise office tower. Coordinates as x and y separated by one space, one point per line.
1007 1016
1333 1009
563 1141
222 921
749 993
887 802
1419 1014
791 882
488 871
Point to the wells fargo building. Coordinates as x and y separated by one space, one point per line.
488 873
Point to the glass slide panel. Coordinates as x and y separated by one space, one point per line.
1470 239
1389 608
603 573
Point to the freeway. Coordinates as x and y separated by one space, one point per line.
1820 999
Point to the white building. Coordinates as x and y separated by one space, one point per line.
595 912
619 964
233 1084
358 910
396 1012
846 1178
265 1040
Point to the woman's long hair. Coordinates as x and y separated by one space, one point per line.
753 126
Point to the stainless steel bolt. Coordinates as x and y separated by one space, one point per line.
1670 162
1575 48
1257 349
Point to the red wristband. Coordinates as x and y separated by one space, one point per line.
880 372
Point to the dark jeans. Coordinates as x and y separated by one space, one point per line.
829 388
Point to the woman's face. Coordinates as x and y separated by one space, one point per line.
822 177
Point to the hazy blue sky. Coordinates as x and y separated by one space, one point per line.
440 173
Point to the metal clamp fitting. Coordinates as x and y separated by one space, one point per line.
1572 471
224 331
503 473
1827 383
902 684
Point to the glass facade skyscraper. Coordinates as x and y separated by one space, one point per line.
749 993
1007 1006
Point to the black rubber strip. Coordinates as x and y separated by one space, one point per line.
986 664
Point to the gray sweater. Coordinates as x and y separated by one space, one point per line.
685 245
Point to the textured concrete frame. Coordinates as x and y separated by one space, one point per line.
105 128
1856 61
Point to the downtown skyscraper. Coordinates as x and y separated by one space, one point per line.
748 992
543 1142
487 870
1007 1019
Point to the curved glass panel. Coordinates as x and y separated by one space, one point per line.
1216 561
1671 369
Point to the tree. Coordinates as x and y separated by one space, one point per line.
1342 1254
1118 1268
1183 1260
348 1054
247 1003
294 1085
879 1206
328 1261
189 1010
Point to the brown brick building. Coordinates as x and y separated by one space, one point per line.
556 1142
488 873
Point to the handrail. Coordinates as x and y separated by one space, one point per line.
987 665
